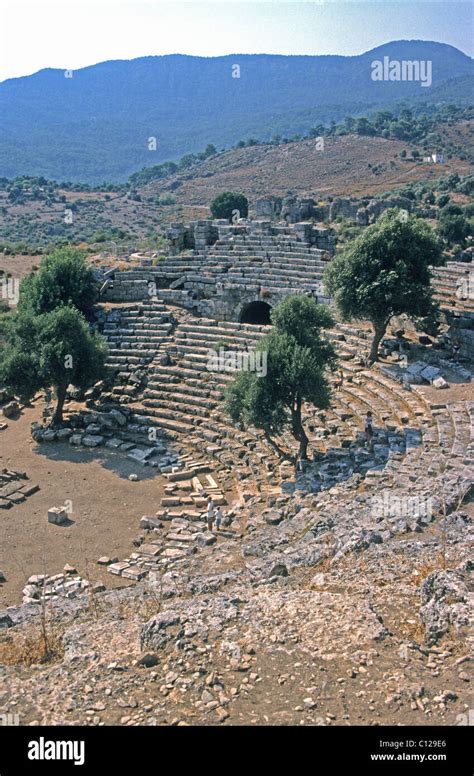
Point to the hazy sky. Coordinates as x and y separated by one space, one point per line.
70 34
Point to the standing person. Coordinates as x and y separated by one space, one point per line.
218 517
369 431
401 341
339 381
456 349
210 513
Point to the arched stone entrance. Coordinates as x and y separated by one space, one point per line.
255 312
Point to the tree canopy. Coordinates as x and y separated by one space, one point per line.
384 272
226 204
453 226
62 279
51 350
298 355
48 341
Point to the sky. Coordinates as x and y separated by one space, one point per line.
70 34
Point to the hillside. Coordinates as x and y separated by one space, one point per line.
102 117
351 165
346 166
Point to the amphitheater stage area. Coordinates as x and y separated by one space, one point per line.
336 593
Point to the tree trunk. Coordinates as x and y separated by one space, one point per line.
279 451
298 430
379 332
58 413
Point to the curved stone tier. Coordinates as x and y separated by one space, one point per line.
173 386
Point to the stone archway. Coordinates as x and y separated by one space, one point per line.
256 312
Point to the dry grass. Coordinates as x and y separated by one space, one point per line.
34 647
145 605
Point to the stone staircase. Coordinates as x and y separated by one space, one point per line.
454 286
135 335
181 398
454 291
421 449
250 260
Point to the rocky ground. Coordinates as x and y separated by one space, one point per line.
274 626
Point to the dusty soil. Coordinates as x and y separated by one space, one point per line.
106 507
20 265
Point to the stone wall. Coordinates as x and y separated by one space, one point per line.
197 234
202 286
461 329
293 209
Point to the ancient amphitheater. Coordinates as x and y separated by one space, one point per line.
358 521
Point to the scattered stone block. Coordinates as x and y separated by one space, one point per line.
57 515
106 561
170 501
429 373
148 660
64 433
133 572
272 516
113 444
174 553
118 568
5 621
36 579
279 570
92 440
150 549
93 428
139 455
30 591
28 490
17 498
11 409
118 417
205 538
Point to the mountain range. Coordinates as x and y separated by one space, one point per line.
105 121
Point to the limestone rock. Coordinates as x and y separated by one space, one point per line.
444 601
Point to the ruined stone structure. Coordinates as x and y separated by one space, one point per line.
292 209
15 487
370 521
454 290
230 267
